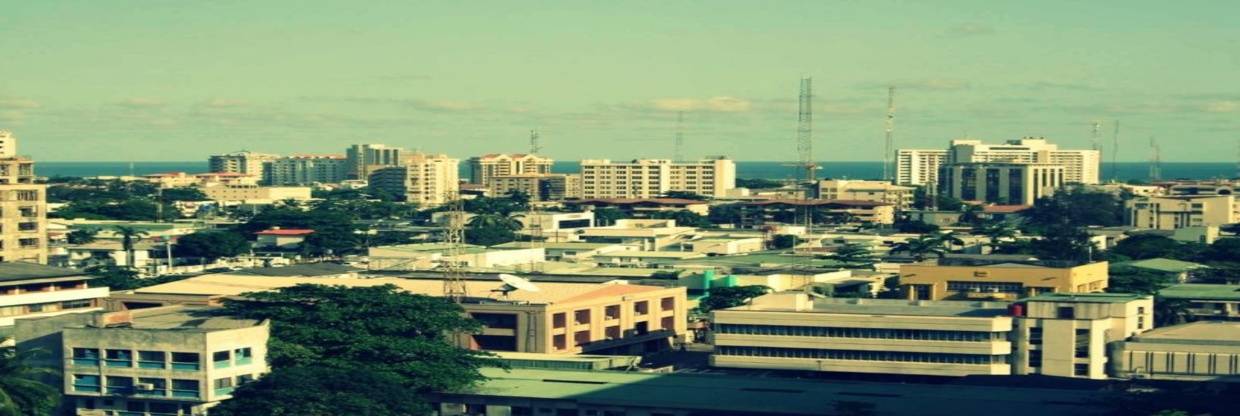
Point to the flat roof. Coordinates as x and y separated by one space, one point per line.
558 246
549 293
1201 291
1163 265
1196 333
655 254
14 271
945 308
767 257
735 394
304 269
1087 297
180 317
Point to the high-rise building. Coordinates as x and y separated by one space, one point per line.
422 178
649 178
919 166
1000 182
246 162
306 169
483 168
365 158
23 208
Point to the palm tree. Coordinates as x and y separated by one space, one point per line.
82 236
949 240
921 246
129 236
995 231
971 213
852 254
21 391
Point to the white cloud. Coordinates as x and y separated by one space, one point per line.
714 104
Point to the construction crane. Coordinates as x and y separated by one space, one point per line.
889 143
805 131
1155 160
678 144
454 237
535 147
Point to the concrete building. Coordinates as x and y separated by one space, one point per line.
483 168
560 318
181 179
32 290
1000 182
283 239
968 279
1206 301
1183 211
8 145
539 187
643 208
149 362
1070 334
646 235
425 179
246 162
306 170
901 197
794 211
650 178
361 159
258 194
1080 166
1198 351
23 208
919 167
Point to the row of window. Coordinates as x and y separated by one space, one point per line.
871 333
610 312
184 361
154 386
19 310
898 356
986 287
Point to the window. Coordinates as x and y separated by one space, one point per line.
185 388
496 320
119 385
1065 312
667 323
641 308
581 338
667 304
893 356
1035 336
118 358
76 304
86 383
581 317
611 312
221 359
1080 370
1082 343
560 342
244 355
88 357
559 320
187 361
244 378
151 359
612 332
1140 310
223 385
1035 358
1140 322
152 387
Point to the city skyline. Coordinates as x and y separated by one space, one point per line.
98 82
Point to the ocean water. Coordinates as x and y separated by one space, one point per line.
764 170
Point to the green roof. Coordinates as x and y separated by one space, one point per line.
1163 265
14 271
1086 297
1201 291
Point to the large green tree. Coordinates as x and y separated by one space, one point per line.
1075 206
323 391
211 245
82 235
1148 246
1064 242
491 229
729 297
129 238
22 391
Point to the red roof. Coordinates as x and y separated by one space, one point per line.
285 232
1005 209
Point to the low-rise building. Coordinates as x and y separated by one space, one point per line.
281 238
901 197
31 290
1206 301
158 361
572 251
1198 351
255 194
794 211
959 279
643 208
648 235
724 246
1175 212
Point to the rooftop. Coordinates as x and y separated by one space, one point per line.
286 232
632 201
188 318
900 307
1201 291
11 271
829 203
1199 333
653 254
553 245
303 270
1087 297
1163 265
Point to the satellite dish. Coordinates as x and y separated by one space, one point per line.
514 283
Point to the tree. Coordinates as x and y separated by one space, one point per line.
492 229
971 214
1064 242
995 231
82 236
182 194
211 245
114 277
725 214
1075 206
1148 246
1223 249
921 247
322 391
22 391
915 227
683 218
1129 280
783 241
129 236
607 216
852 254
376 329
730 297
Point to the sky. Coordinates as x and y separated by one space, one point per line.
146 80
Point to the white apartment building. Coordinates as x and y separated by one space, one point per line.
239 162
1181 211
425 179
23 208
860 190
254 193
650 178
30 290
919 166
8 144
1000 182
1069 334
361 159
483 168
306 169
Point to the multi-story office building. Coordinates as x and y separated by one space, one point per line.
1059 335
172 360
425 179
30 290
483 168
919 167
999 182
901 197
246 162
650 178
1181 211
305 170
960 279
23 208
361 159
546 187
1205 301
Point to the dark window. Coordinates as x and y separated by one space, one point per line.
496 320
1035 336
496 342
1081 370
559 320
1035 358
1082 343
1065 312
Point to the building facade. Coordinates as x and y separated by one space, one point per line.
424 179
32 290
23 208
1000 183
305 170
1080 166
1181 211
483 168
919 167
361 159
254 193
1198 351
964 279
239 162
650 178
541 187
1069 334
901 197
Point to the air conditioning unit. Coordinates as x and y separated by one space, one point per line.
144 386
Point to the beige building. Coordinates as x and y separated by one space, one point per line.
158 361
182 179
362 159
1198 351
961 279
1000 182
1183 211
919 167
560 318
1070 334
305 170
254 193
483 168
23 208
8 144
650 178
32 290
239 162
425 179
901 197
540 187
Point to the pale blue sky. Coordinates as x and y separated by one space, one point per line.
130 80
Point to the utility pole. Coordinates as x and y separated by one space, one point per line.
678 152
889 143
535 146
805 131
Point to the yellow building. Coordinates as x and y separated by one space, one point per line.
963 279
23 207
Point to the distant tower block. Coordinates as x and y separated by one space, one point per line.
889 143
805 131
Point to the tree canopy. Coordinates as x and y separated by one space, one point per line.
730 297
323 391
22 391
211 245
1075 206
